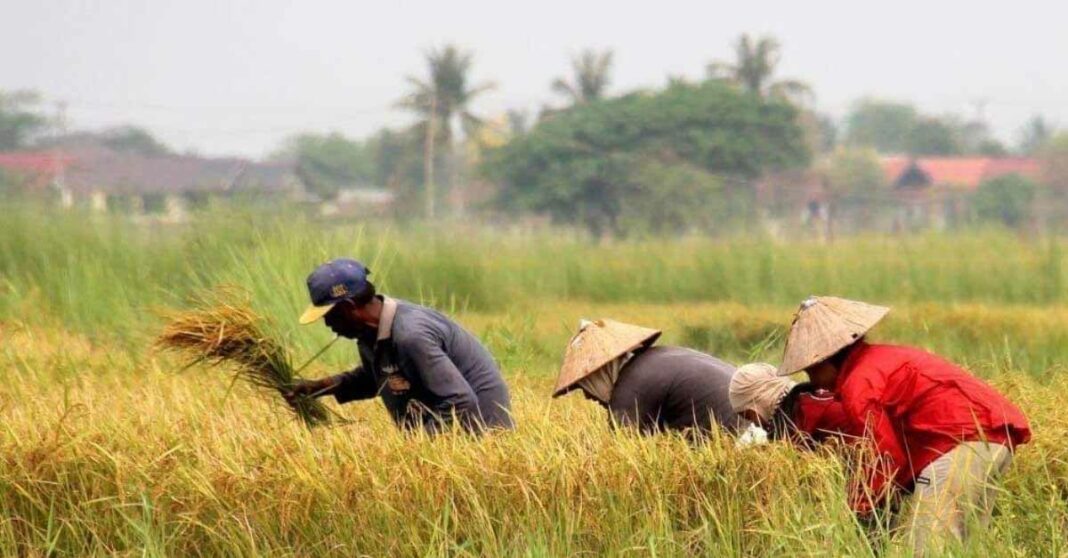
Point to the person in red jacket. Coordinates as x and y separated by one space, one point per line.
809 415
935 429
802 413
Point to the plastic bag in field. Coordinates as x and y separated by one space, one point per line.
753 436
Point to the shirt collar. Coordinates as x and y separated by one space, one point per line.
385 319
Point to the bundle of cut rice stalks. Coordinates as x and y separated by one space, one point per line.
222 330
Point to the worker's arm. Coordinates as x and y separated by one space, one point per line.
353 385
453 396
347 386
886 459
821 416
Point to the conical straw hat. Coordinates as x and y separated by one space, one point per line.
823 326
596 344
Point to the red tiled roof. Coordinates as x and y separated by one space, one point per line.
965 172
962 172
33 162
130 173
893 167
89 168
1024 166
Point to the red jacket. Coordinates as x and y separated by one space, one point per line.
821 415
917 406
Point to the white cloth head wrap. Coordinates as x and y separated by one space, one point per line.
759 388
601 383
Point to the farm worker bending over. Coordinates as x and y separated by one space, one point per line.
936 429
428 370
801 412
651 388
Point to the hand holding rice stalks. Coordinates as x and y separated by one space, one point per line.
222 330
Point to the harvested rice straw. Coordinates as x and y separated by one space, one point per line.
222 330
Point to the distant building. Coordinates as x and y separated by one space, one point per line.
917 193
934 191
166 186
364 201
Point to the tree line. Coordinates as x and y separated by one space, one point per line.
680 157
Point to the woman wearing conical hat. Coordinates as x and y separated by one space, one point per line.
936 429
650 388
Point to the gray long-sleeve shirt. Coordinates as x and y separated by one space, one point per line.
428 370
673 388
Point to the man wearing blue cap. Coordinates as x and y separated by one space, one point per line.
429 371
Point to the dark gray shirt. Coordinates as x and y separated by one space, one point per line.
672 388
428 371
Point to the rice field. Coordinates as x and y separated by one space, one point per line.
109 448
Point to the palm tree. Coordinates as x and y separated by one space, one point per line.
752 70
590 77
1035 135
447 94
444 97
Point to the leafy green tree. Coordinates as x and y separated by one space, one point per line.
1006 199
328 163
398 165
932 136
133 139
590 77
973 137
753 68
20 120
1053 157
892 127
592 165
821 133
991 147
518 122
854 179
883 125
1035 135
670 197
853 171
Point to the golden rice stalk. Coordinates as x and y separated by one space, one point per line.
223 331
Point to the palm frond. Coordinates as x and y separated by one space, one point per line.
562 87
721 70
791 90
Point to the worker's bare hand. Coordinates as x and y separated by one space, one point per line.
309 388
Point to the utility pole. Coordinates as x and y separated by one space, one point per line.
428 154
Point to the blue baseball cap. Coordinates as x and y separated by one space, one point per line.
332 282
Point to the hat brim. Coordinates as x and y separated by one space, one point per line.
315 313
580 363
833 324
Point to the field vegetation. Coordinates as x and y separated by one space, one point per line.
108 449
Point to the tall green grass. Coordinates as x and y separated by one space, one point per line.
107 277
90 269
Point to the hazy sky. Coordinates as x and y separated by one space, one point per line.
237 77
